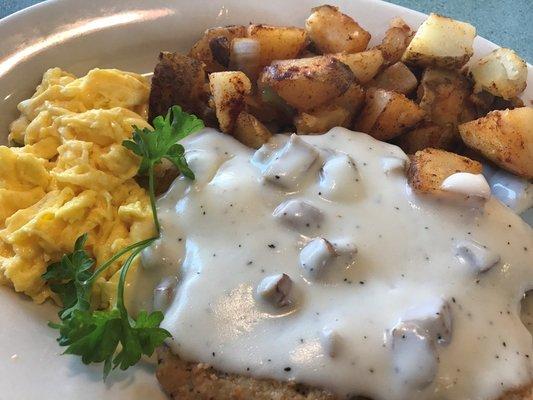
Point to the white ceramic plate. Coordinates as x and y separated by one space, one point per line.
78 35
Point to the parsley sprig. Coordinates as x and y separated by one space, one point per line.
113 336
161 143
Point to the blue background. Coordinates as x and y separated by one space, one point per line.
505 22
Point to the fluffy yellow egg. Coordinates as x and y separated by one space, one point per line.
71 175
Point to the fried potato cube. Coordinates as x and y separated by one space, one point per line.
332 31
322 120
395 41
504 137
397 78
387 114
352 100
177 80
339 113
250 132
202 49
364 65
441 42
430 167
277 42
307 83
502 73
229 90
442 94
427 135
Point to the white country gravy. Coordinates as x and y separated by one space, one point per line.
313 261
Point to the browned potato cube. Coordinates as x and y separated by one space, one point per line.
307 83
441 42
277 42
229 90
387 114
177 80
442 94
332 31
397 78
339 113
351 100
322 120
364 65
201 50
395 41
427 135
430 167
250 132
504 137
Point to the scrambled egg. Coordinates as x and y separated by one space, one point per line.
71 175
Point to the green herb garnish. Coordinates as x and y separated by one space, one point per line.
162 142
113 336
95 335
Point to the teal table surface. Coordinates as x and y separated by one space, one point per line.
508 23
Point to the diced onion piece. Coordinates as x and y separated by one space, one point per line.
467 184
244 56
502 73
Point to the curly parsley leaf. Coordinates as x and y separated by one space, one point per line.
162 142
95 336
69 279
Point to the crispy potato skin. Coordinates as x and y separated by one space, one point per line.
192 381
277 42
250 131
307 83
201 50
441 42
364 65
332 31
387 114
397 78
177 80
229 90
504 137
430 167
395 41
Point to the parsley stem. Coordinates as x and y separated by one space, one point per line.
117 255
122 279
151 191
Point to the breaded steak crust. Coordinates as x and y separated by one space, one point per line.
182 380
